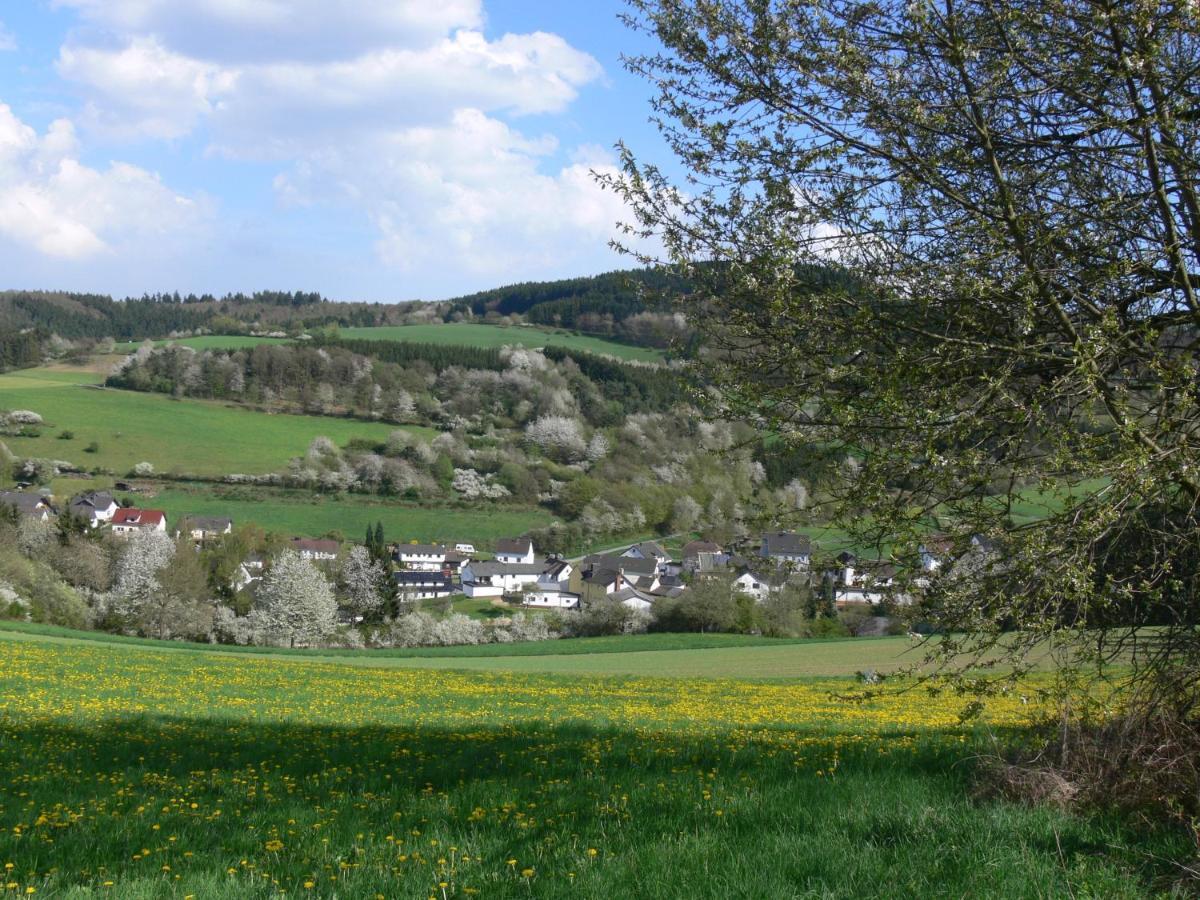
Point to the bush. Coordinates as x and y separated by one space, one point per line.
93 447
143 470
66 436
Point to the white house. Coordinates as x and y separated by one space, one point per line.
787 547
126 521
649 550
552 589
316 550
421 557
96 507
934 551
203 528
465 548
419 585
757 586
518 551
495 579
633 598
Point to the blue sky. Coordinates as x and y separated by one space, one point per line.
370 149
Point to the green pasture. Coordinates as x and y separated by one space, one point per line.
474 335
178 436
313 515
210 342
138 774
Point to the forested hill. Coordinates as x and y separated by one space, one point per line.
76 316
571 301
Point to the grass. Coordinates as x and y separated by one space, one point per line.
193 436
312 515
475 335
703 656
211 342
133 773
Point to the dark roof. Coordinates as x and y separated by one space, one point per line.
89 501
488 569
695 548
621 563
435 579
519 546
937 544
555 567
209 523
602 576
316 546
421 549
785 543
649 548
846 558
26 503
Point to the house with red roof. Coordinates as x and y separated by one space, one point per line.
128 521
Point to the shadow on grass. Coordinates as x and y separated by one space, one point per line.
594 812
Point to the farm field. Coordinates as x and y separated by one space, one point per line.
194 436
475 335
210 342
138 773
313 515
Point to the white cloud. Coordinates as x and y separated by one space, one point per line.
7 40
471 193
143 89
52 203
401 110
242 31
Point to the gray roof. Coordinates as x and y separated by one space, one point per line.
649 549
602 576
209 523
26 503
88 502
622 563
488 569
421 549
785 543
695 548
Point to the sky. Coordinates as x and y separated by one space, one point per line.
378 150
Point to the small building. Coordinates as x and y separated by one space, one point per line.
129 521
316 550
35 506
935 550
94 507
754 584
786 548
422 585
495 579
421 557
649 550
552 590
634 599
205 528
518 551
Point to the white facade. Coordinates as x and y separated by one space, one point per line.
517 556
550 599
495 579
421 557
755 586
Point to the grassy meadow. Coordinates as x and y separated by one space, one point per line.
313 515
478 335
193 436
141 773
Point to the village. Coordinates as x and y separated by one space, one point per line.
513 573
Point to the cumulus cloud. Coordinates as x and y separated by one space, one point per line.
268 30
52 203
402 110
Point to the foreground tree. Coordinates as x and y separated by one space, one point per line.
1007 345
295 603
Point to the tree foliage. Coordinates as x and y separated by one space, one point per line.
1012 192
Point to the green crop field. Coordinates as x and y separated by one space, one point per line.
473 335
139 773
313 515
193 436
210 342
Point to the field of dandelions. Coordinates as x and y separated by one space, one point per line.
136 773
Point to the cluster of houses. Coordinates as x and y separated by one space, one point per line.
100 509
637 576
